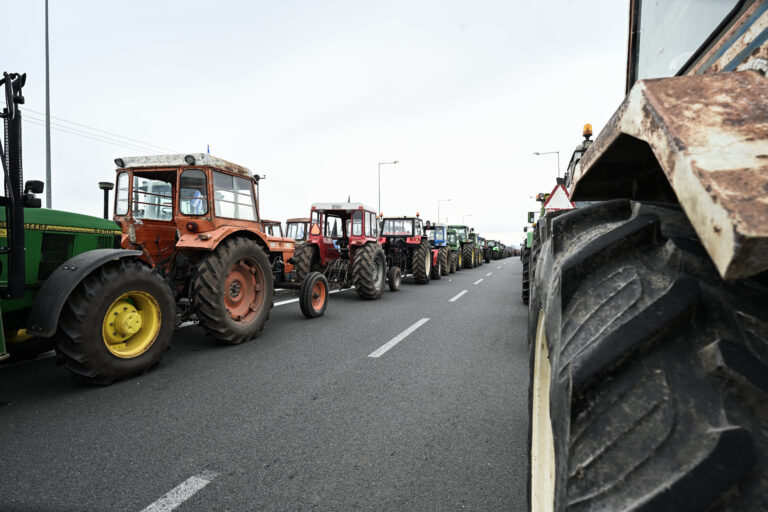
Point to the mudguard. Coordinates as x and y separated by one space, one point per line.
50 299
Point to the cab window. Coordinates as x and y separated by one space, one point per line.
357 223
234 197
121 200
193 192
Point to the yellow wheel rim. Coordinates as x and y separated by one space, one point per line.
542 440
131 324
17 336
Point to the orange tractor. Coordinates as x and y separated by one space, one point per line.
343 249
196 221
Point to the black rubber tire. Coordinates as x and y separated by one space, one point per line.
659 368
368 271
526 288
459 260
395 278
305 260
452 258
444 256
80 343
28 349
422 263
208 291
479 259
307 295
468 255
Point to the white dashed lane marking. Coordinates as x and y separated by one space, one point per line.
479 281
182 492
458 296
397 339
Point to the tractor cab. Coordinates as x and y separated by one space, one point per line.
272 227
337 227
298 229
437 235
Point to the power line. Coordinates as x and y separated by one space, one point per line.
77 131
103 131
88 136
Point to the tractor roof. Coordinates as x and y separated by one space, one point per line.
436 225
342 206
266 221
298 219
403 217
201 159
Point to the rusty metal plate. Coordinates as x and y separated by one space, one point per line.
709 136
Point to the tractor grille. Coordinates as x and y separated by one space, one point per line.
105 242
56 250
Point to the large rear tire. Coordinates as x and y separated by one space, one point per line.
468 255
459 260
422 263
394 277
233 291
305 260
649 372
368 271
526 275
118 322
444 256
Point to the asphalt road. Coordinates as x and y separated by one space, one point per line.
299 419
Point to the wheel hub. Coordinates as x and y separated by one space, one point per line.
131 324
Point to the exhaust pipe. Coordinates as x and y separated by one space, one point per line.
106 186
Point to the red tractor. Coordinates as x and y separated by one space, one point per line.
195 219
343 246
407 247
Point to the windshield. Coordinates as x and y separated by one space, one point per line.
491 243
296 230
461 233
397 227
151 199
670 33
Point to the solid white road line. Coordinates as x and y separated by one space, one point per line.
489 273
182 492
297 300
457 297
479 281
397 339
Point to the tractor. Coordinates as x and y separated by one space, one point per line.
454 247
407 247
442 262
343 249
467 243
298 229
648 325
195 219
272 228
66 284
496 250
479 243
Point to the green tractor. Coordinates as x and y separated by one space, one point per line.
467 243
479 244
496 250
455 247
647 322
64 282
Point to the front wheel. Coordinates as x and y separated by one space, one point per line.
648 387
118 322
233 291
444 256
468 254
394 276
313 296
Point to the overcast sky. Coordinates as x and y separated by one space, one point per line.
315 94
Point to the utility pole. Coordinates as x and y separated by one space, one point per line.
48 200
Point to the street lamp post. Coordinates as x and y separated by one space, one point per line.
380 164
551 153
438 207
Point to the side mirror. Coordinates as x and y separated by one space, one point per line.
530 217
34 186
525 229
